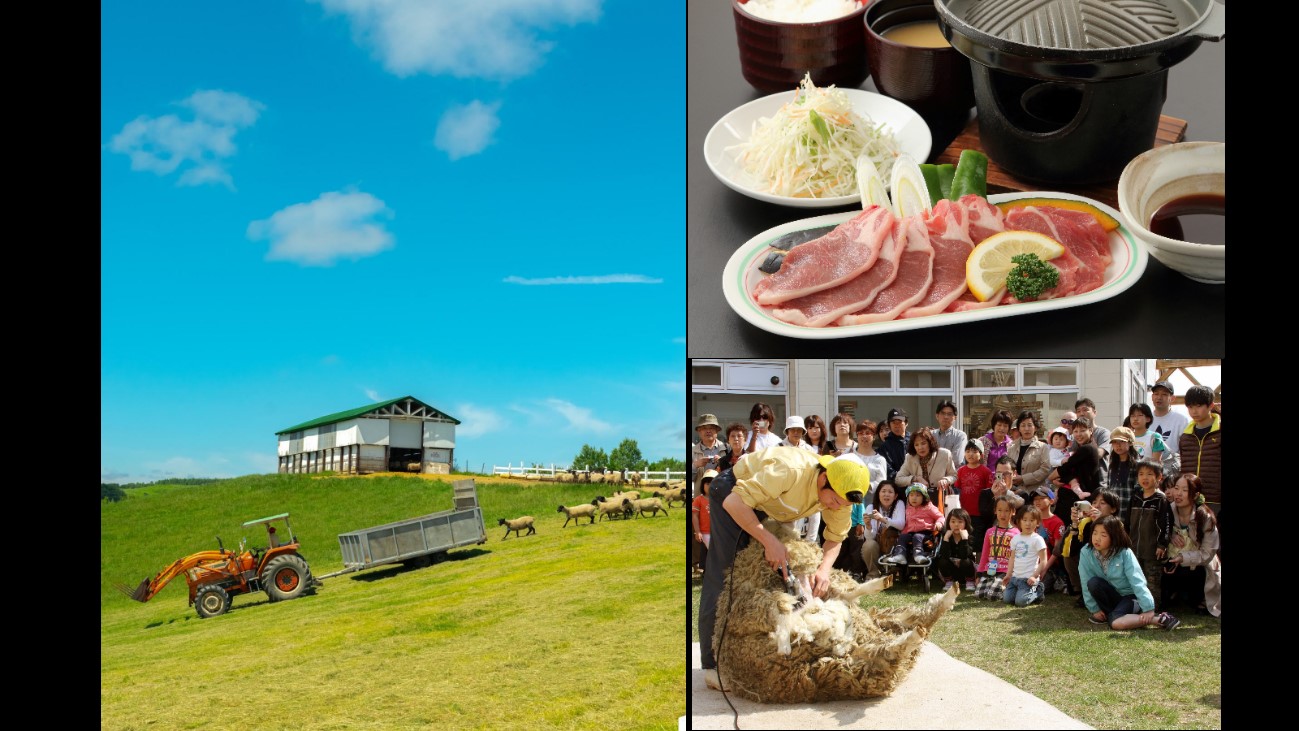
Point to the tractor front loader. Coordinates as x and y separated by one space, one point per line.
215 577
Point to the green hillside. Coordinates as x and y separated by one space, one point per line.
569 628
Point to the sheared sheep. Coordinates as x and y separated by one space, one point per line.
609 507
517 525
656 492
634 478
652 504
828 649
629 494
614 478
675 495
577 511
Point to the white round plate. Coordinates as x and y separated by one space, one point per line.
741 274
910 130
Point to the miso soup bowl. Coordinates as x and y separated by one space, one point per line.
1166 173
774 56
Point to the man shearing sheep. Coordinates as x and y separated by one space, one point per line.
784 483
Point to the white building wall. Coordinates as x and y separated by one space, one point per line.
809 389
311 439
406 433
373 431
439 435
1103 380
282 449
348 433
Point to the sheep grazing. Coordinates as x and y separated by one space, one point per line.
577 511
609 507
634 478
517 525
614 478
657 492
652 504
675 495
828 649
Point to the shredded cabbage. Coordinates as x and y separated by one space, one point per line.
809 148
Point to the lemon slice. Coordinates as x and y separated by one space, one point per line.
990 262
870 185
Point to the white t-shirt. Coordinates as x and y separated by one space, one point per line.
875 463
763 441
1024 548
1145 444
1170 426
1056 457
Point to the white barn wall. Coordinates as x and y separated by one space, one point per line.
1104 382
311 439
405 433
439 435
348 433
373 431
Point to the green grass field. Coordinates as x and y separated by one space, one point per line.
1140 679
569 628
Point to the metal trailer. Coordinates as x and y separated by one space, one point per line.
417 540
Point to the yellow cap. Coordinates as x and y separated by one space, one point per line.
845 476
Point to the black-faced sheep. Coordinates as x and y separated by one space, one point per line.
652 504
609 507
517 525
675 495
576 512
828 649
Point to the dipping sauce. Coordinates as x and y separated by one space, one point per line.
1199 219
924 34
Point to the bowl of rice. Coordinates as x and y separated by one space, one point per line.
783 40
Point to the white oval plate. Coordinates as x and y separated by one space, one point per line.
742 273
910 130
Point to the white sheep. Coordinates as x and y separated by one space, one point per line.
634 478
676 494
577 511
609 507
517 525
629 494
652 504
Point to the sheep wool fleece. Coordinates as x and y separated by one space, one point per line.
769 651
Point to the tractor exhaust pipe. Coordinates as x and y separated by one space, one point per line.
141 593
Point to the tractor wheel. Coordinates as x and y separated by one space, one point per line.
211 601
286 577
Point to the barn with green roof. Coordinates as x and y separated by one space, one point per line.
400 435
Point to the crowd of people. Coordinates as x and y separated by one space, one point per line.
1126 519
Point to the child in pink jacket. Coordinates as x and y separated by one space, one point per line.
923 518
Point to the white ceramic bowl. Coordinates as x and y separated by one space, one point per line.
1161 175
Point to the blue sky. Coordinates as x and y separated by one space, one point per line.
311 205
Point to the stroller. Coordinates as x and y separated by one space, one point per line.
925 571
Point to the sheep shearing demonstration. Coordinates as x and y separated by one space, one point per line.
576 512
771 649
517 525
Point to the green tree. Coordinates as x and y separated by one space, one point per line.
590 457
626 456
111 492
668 463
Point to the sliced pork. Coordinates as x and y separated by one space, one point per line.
1080 266
1084 227
985 218
826 306
967 302
947 225
836 258
915 275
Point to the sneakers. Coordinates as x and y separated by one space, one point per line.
896 557
711 680
1092 618
947 586
1167 621
969 586
919 558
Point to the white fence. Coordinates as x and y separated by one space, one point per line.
549 472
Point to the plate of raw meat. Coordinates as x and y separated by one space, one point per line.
865 272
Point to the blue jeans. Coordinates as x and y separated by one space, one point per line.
1020 593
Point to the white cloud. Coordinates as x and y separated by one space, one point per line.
578 417
373 395
162 144
475 421
262 462
336 225
467 129
490 39
602 279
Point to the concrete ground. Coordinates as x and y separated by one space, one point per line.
966 697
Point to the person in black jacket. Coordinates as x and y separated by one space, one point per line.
894 448
956 557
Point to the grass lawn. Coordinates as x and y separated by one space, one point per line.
1144 678
569 628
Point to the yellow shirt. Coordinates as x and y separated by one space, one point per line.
781 482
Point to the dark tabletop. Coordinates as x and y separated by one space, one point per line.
1150 317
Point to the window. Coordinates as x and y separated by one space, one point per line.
998 377
925 378
706 375
864 378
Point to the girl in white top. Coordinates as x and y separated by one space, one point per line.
884 512
1149 443
816 433
760 437
1027 561
1059 451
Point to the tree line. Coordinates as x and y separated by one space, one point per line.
625 456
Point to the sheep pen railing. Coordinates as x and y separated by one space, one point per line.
555 473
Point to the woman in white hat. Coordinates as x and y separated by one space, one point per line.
795 433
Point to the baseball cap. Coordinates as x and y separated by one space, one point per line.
846 476
896 414
1044 492
1164 384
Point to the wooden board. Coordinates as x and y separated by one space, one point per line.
1171 130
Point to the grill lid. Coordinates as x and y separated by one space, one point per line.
1077 24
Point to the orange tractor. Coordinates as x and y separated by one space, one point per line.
215 577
